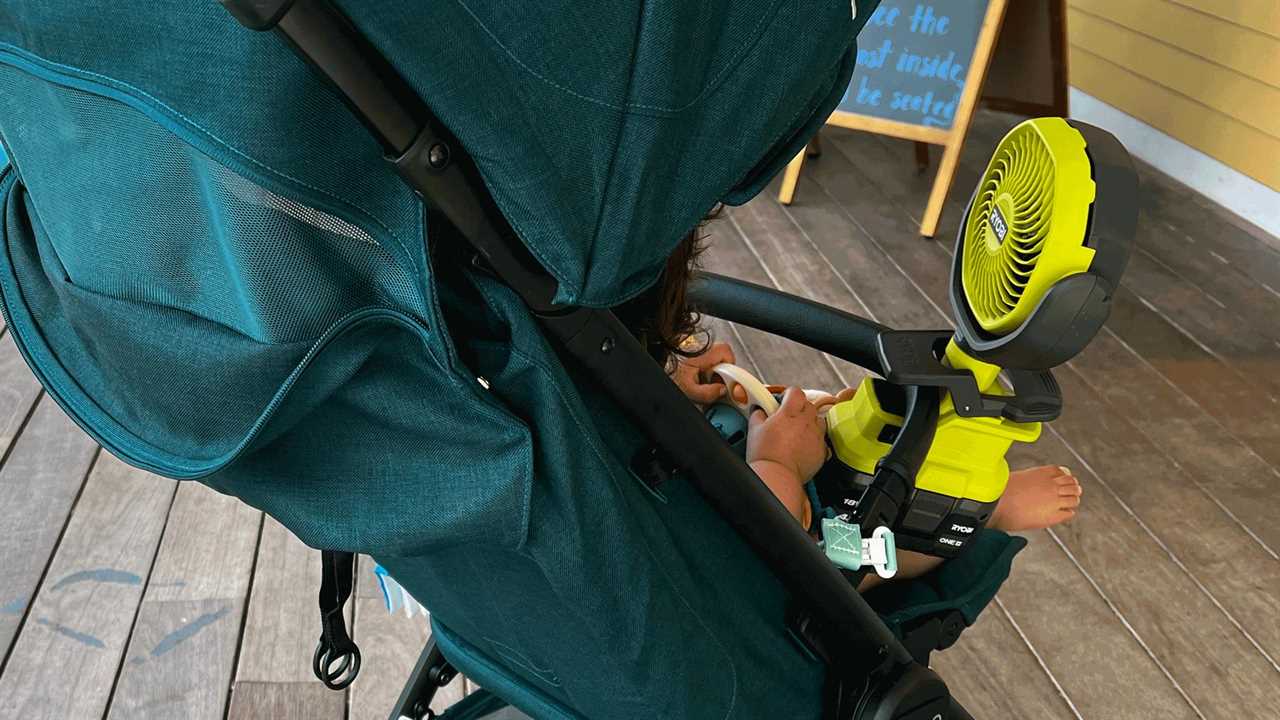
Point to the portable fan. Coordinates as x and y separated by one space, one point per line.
1015 245
1040 253
1047 236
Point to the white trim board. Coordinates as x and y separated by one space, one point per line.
1212 178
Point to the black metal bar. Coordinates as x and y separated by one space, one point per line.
813 324
444 175
389 108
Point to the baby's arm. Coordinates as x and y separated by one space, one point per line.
786 449
788 488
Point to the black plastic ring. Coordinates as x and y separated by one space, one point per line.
339 677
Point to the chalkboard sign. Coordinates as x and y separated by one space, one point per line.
913 58
921 64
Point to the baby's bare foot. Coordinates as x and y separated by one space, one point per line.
1037 498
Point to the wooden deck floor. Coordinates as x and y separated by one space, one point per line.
124 595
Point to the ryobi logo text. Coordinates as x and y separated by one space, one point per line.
998 225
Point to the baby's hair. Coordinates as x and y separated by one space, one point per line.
661 317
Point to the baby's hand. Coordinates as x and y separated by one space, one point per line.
793 437
692 376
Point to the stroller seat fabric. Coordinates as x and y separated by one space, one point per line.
210 267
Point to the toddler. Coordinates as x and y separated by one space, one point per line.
788 448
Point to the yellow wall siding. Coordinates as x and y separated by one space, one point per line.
1250 101
1263 15
1242 147
1253 54
1203 77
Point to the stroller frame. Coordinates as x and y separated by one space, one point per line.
871 674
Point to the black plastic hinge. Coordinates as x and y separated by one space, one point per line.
933 632
913 357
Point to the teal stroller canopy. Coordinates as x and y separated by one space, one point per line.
211 266
603 130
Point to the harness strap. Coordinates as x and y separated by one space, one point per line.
337 659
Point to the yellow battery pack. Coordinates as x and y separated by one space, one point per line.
966 459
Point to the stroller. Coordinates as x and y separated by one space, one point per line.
360 279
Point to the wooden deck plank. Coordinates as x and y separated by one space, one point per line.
1225 334
18 392
1099 665
802 366
1133 569
179 660
994 673
39 484
1245 246
1206 455
65 661
1248 414
1188 225
182 653
1174 510
285 701
769 237
390 644
1185 253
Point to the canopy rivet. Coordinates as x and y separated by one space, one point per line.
438 155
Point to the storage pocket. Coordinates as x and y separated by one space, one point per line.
199 325
355 439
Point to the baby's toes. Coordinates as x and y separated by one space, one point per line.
1070 489
1069 502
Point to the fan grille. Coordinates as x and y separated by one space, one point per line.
1007 227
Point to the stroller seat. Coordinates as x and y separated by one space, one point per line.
209 264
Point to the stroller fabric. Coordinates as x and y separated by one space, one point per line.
211 269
